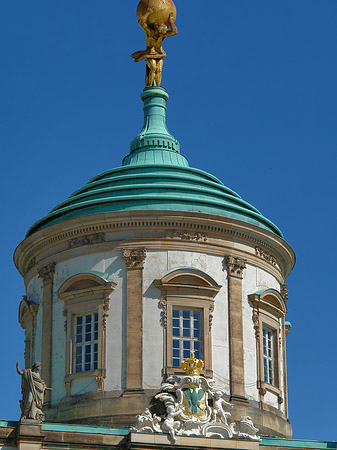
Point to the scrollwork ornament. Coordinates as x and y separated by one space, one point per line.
194 407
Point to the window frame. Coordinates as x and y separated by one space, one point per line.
187 289
85 294
269 311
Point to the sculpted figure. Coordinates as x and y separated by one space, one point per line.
218 413
32 389
169 425
154 53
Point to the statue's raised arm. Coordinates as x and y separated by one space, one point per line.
20 372
174 30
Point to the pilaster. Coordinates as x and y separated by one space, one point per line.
47 275
235 269
134 259
29 436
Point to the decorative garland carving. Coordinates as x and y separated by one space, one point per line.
265 255
163 305
105 313
256 322
46 273
185 235
235 266
284 291
97 238
134 257
211 311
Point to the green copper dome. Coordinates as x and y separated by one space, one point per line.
155 176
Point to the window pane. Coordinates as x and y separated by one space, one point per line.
175 343
186 314
175 353
176 362
175 313
186 332
175 332
187 345
175 323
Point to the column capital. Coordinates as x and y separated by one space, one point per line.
134 257
46 273
235 266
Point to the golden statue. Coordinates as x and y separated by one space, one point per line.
156 17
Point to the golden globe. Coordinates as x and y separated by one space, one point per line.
161 10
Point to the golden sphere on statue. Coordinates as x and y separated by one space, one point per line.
161 10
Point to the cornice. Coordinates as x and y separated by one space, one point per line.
194 232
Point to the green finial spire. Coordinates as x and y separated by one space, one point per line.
154 144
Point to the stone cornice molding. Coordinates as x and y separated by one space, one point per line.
46 273
134 257
235 266
214 234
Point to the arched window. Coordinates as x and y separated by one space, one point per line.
269 310
86 306
187 300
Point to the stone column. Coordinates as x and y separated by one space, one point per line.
134 259
47 276
235 268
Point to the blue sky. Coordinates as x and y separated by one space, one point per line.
253 101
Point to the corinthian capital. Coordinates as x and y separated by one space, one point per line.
134 257
46 273
235 266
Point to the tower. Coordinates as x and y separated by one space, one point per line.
144 264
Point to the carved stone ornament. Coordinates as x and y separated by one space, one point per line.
265 255
163 305
31 264
211 311
235 266
134 257
47 272
256 322
284 291
87 240
189 412
185 235
33 390
105 315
